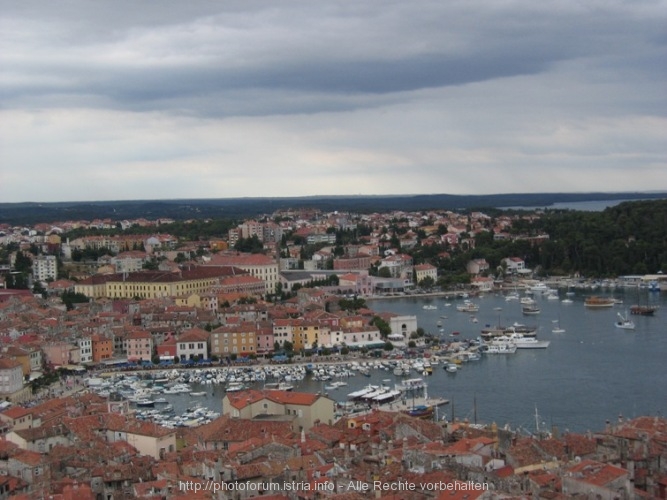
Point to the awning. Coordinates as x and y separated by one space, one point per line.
72 368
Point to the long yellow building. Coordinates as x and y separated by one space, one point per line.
154 284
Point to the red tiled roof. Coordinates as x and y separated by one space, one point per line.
16 412
240 259
230 430
28 457
597 473
8 364
139 334
194 335
242 399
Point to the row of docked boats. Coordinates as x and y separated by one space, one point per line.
372 394
412 393
166 417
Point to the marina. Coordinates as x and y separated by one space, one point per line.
582 361
507 382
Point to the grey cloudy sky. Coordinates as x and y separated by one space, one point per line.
200 99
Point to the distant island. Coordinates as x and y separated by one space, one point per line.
238 208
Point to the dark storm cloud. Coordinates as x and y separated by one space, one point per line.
173 56
99 99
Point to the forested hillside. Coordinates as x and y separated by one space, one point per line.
630 238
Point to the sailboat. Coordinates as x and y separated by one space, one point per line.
558 328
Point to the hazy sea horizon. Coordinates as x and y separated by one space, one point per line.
584 206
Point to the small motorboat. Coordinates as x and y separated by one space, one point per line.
624 323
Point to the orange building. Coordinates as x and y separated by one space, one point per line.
102 348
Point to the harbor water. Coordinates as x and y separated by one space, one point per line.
590 373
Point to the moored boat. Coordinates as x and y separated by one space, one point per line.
145 403
363 392
522 342
624 323
530 310
490 332
643 310
451 367
467 306
421 411
598 302
500 349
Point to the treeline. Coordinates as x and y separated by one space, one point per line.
629 238
242 208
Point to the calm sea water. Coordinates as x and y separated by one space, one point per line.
584 206
591 373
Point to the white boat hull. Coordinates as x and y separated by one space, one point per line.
538 344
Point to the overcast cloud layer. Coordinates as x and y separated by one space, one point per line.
171 99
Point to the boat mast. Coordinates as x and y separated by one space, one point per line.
475 409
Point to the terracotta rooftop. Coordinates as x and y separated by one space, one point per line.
227 429
16 412
597 473
242 399
8 364
194 335
240 259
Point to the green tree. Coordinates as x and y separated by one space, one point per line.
427 283
71 298
384 272
39 289
251 245
381 325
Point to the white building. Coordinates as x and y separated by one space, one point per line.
129 262
192 344
44 267
11 376
354 337
85 350
423 271
400 266
515 265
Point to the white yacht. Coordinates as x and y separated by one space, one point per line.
522 342
501 348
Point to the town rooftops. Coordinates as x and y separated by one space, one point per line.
597 473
